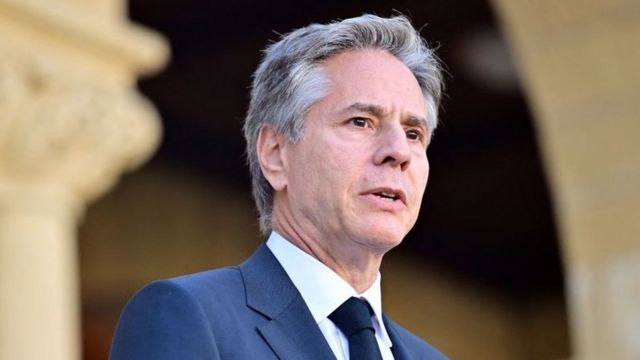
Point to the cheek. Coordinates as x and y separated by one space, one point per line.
421 177
317 173
426 175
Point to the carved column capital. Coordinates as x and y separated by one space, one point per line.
67 131
71 121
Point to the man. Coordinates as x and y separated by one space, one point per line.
337 130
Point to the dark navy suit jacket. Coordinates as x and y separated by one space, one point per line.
249 312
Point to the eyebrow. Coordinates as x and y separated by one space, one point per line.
379 111
372 109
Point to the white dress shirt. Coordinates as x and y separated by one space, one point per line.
324 291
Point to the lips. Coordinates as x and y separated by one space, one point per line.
388 194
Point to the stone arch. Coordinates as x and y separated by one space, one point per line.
578 64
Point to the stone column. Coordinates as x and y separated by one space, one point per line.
71 122
579 64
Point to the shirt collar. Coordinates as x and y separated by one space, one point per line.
321 288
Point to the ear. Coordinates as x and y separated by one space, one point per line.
270 148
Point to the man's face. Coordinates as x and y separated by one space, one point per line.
357 176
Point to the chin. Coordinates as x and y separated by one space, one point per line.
381 237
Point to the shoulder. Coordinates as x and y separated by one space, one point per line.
193 287
206 282
170 319
419 348
194 293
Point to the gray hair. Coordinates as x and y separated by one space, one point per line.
290 80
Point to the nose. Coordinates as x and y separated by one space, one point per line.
393 149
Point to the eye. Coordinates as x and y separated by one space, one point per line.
359 122
413 134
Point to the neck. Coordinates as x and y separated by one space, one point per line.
356 264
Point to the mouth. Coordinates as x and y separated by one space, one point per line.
388 194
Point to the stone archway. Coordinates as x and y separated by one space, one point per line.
579 65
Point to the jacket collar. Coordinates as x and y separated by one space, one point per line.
398 349
291 331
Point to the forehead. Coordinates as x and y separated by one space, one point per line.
372 76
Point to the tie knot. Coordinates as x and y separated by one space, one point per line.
352 316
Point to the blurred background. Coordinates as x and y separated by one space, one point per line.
484 256
526 246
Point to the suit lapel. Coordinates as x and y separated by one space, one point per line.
399 349
292 332
295 335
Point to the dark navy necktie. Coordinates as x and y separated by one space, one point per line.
353 318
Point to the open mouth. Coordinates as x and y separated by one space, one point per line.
387 196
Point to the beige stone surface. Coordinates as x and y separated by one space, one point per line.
38 276
579 64
70 123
